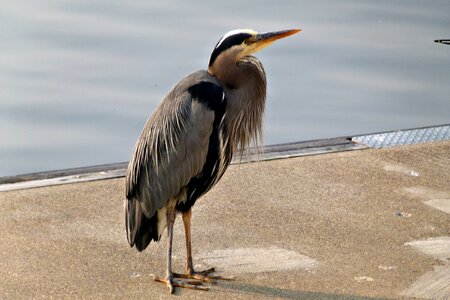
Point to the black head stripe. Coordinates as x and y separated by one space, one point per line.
224 44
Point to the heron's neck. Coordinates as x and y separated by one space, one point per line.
246 94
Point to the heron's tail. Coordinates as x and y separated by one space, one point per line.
140 229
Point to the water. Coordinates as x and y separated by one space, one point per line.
78 79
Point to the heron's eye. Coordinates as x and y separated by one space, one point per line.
248 41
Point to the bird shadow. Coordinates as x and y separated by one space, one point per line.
285 293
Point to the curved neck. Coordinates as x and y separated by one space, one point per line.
245 88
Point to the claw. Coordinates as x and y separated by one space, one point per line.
206 272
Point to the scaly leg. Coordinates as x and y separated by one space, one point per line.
169 280
190 271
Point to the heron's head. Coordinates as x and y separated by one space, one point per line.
236 44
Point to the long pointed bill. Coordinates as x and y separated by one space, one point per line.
262 40
270 37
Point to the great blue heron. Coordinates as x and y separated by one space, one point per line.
188 142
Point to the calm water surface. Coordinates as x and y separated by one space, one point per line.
78 79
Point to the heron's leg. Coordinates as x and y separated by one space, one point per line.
169 280
190 271
171 215
187 215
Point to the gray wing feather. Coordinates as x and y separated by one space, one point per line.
171 150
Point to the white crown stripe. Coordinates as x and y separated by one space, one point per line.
234 32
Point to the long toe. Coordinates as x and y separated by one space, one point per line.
202 276
168 281
188 284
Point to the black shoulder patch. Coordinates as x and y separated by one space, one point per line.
232 40
209 94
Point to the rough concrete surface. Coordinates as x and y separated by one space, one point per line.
332 226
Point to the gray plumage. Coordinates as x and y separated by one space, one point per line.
188 142
171 150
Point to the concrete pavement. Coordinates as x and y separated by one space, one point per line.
347 225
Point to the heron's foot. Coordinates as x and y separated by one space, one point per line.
202 276
172 282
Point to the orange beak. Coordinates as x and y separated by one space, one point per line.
270 37
262 40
